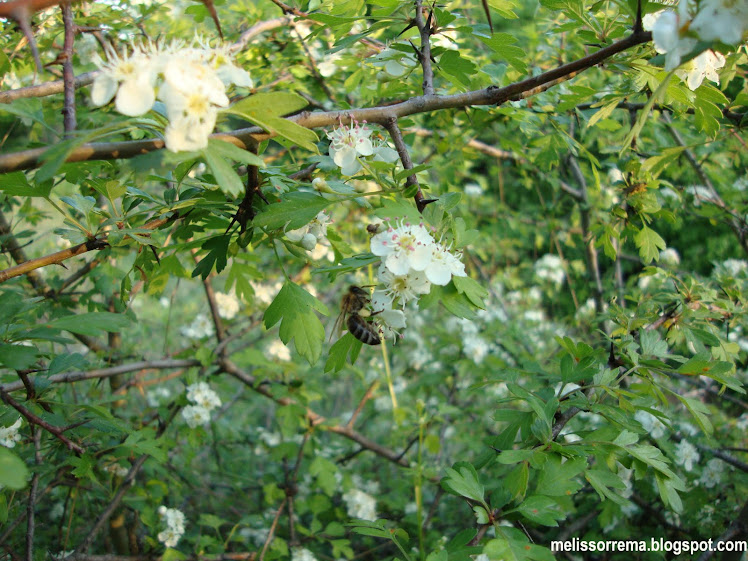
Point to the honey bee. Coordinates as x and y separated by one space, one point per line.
353 311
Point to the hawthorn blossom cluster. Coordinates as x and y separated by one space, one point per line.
9 435
173 519
204 401
412 260
349 144
677 33
191 82
360 505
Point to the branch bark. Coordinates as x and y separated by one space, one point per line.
493 95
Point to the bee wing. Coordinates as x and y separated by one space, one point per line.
338 325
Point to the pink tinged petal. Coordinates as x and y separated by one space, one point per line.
380 246
104 88
135 97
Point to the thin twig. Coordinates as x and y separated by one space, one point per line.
424 53
68 73
35 420
402 151
271 532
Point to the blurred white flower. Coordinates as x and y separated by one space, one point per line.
360 505
550 268
669 257
703 66
650 423
266 292
277 350
473 190
734 267
721 20
200 327
475 348
711 475
9 435
196 415
686 454
228 305
157 396
668 37
302 554
200 394
328 65
174 520
131 78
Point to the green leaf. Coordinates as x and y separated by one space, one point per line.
641 120
16 185
294 211
294 307
144 442
462 479
606 483
560 479
13 471
349 264
226 177
18 357
472 289
83 466
344 347
217 255
650 243
699 411
512 545
542 510
92 323
233 152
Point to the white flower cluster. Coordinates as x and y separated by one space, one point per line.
360 505
411 261
650 423
348 144
228 305
686 454
116 469
9 435
670 257
711 476
191 81
173 519
204 401
313 233
550 268
302 554
200 327
676 34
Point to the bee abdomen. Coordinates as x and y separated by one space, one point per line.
363 330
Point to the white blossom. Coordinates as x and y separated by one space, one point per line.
157 396
711 475
228 305
174 520
200 327
667 34
360 505
116 469
550 268
200 394
130 79
404 247
9 435
443 266
302 554
670 257
276 349
389 320
650 423
402 289
475 348
686 454
473 190
196 415
266 293
347 144
703 66
723 20
734 267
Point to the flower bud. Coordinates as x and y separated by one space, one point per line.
321 185
309 242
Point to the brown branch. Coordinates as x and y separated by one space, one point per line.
492 95
402 151
30 518
68 73
93 244
424 53
271 532
35 420
364 399
164 364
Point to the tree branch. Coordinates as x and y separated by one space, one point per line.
68 74
492 95
402 150
424 53
35 420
